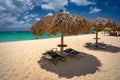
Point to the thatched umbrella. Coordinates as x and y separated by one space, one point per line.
62 22
102 23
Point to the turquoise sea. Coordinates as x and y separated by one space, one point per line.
8 36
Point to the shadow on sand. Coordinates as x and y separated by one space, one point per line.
112 49
72 67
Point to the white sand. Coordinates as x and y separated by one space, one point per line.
19 60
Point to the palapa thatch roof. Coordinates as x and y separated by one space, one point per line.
62 22
103 22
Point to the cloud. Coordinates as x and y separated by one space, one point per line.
32 15
16 6
13 22
66 12
37 19
14 15
49 14
94 10
7 21
55 5
82 2
2 8
25 17
15 25
28 16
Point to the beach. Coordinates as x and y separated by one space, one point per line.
21 60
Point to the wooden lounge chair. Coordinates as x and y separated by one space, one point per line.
53 56
101 45
88 44
49 58
73 53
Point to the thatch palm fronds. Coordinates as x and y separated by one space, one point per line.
65 23
41 26
103 22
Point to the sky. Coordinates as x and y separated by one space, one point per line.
20 15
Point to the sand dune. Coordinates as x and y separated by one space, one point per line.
22 60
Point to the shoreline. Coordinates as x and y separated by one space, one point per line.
42 38
26 35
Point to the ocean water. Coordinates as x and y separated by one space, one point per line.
8 36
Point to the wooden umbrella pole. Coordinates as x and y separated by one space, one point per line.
96 35
62 37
